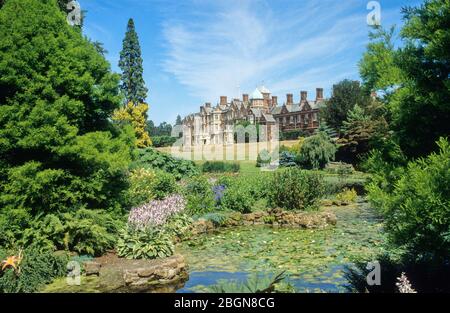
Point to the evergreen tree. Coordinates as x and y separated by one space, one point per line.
58 148
133 85
179 120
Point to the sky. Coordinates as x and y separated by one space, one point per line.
195 51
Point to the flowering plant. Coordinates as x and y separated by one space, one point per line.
155 213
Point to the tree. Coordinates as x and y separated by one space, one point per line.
136 116
364 129
133 85
317 151
179 120
377 66
420 108
58 149
346 94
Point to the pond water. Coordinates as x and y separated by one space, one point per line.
314 260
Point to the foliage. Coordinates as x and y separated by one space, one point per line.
152 159
347 196
297 147
144 244
317 151
377 66
416 205
136 116
295 189
59 150
288 159
237 199
178 225
163 141
200 196
155 213
133 85
37 268
419 72
420 110
293 134
346 94
220 167
254 284
141 186
84 231
164 129
364 129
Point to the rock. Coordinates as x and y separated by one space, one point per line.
156 272
92 268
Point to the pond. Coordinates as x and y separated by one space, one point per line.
314 260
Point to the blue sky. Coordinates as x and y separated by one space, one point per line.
194 51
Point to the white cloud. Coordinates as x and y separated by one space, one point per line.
243 44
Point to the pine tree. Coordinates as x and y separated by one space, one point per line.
133 85
179 120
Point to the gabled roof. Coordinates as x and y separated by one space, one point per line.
269 118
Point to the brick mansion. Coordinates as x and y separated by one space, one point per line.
216 124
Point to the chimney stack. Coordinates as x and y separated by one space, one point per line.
290 99
274 101
245 97
319 94
303 96
223 100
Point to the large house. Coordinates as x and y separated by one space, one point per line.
216 124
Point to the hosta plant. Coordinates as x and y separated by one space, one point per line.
144 244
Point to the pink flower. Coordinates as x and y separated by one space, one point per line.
156 212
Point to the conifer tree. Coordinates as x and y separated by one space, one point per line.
133 85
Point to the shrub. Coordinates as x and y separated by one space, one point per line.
84 231
155 213
144 244
316 152
163 141
152 159
178 225
288 159
164 185
220 167
347 196
37 268
295 189
199 195
293 135
416 205
237 199
141 186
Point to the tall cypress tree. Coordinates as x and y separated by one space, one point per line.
130 62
